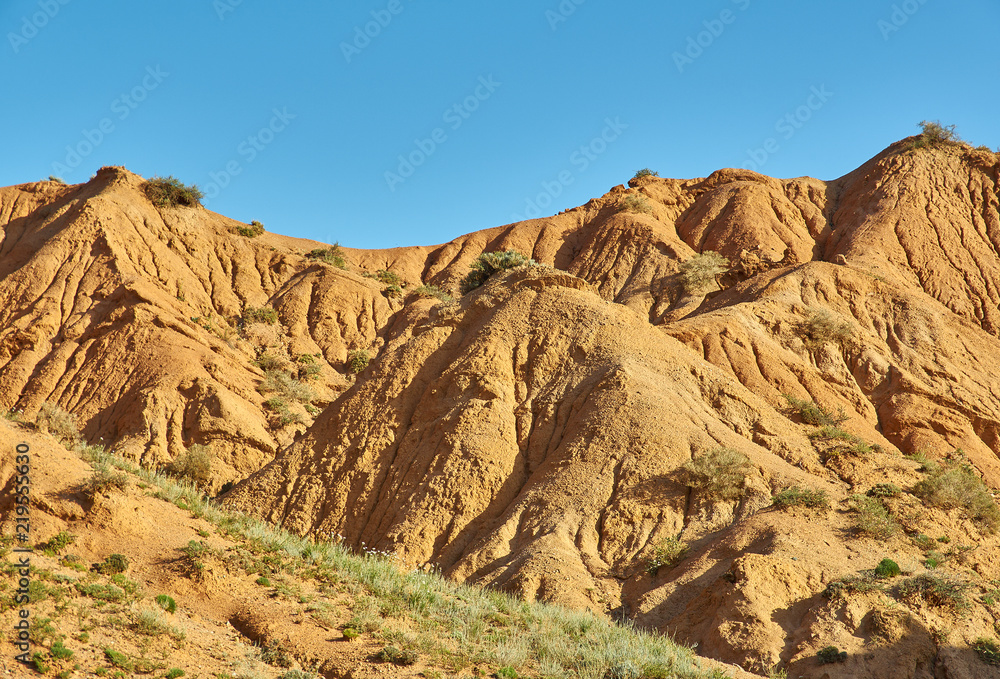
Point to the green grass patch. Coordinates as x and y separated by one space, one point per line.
795 496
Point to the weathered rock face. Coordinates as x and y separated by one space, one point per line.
532 435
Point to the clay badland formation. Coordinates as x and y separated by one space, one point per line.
722 451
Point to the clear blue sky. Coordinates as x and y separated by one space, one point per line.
312 127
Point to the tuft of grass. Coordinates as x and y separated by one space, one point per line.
392 291
252 231
812 413
698 274
270 362
489 263
823 327
636 204
720 473
793 496
871 518
938 590
852 584
357 361
56 180
103 479
194 464
119 659
332 255
396 655
166 602
667 553
390 278
60 652
289 388
956 485
171 192
884 490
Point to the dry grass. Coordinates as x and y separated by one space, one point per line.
698 274
719 473
823 327
956 485
59 423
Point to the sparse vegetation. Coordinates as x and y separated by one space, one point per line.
645 172
392 291
286 386
252 231
698 274
166 602
954 484
389 278
194 464
853 584
489 263
171 192
56 543
113 564
333 255
823 327
636 204
871 518
357 361
666 553
884 490
795 496
396 655
56 180
104 479
719 473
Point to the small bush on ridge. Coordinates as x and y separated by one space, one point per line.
794 495
489 263
720 473
171 192
698 273
667 552
357 360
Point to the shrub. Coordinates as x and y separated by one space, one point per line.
270 362
506 672
116 563
101 592
698 273
170 192
396 655
831 654
104 479
988 650
389 278
956 485
814 414
636 204
794 495
194 464
252 231
392 291
332 255
489 263
645 172
357 360
40 665
174 673
58 422
433 291
822 327
56 180
260 315
852 584
933 133
883 490
60 652
887 568
56 543
166 602
667 552
942 591
871 518
720 473
119 659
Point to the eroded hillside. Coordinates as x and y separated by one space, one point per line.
536 434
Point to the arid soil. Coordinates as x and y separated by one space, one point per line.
535 434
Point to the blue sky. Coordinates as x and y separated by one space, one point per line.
406 122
